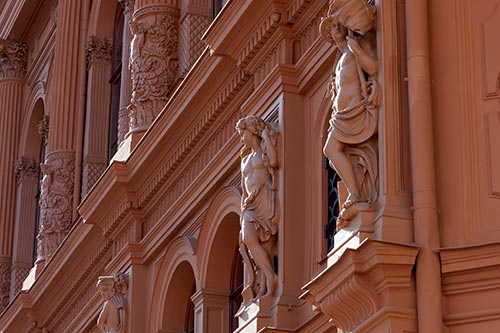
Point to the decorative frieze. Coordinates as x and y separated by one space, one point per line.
25 167
99 50
13 59
56 200
153 65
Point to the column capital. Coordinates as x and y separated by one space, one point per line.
13 59
99 50
127 5
25 167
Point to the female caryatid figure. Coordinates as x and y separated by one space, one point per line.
112 316
259 213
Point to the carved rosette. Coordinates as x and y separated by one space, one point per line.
99 50
43 129
56 198
153 64
4 282
25 167
13 59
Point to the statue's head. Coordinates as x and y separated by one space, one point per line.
253 124
105 285
356 15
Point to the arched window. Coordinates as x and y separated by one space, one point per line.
115 81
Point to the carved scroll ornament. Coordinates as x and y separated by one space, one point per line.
113 316
351 145
259 208
153 65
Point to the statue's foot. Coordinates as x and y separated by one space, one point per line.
271 286
352 198
348 213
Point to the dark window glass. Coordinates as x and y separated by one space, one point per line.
115 81
333 204
235 298
218 5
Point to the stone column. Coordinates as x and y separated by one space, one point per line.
195 19
13 58
126 81
24 230
56 198
98 95
153 61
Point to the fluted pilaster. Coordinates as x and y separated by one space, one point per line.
64 96
56 199
13 58
97 123
126 80
153 61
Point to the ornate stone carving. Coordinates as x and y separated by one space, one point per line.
25 167
4 282
351 145
43 129
99 50
259 208
13 58
153 65
113 316
127 5
56 198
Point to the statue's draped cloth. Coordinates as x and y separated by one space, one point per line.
356 124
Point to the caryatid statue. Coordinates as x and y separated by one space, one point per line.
112 318
259 208
351 145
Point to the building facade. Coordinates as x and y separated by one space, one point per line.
126 193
